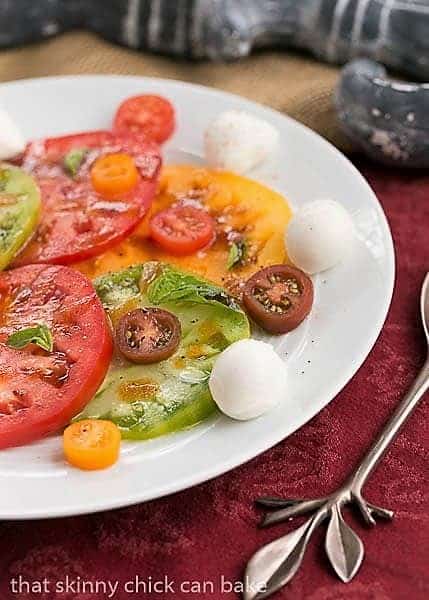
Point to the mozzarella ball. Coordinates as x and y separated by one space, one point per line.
319 236
238 141
248 379
12 142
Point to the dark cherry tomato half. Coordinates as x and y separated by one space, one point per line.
278 298
182 229
150 115
148 335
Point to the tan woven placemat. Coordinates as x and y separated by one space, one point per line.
296 85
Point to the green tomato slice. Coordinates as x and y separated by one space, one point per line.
147 401
19 211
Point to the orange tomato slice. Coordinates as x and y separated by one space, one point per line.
114 174
92 444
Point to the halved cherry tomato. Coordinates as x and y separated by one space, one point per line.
77 222
148 335
92 444
40 391
278 298
114 174
182 229
147 114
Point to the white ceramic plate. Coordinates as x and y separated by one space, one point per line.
351 302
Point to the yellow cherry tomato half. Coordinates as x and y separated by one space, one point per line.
114 174
92 444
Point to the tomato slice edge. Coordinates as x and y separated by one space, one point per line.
52 407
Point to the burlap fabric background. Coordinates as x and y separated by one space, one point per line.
296 85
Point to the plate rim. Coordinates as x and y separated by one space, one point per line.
239 458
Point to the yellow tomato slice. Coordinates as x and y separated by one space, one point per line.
114 174
234 202
92 444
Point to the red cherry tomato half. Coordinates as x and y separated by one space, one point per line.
77 222
40 391
147 114
278 298
182 229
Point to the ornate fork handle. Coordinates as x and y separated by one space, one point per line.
274 565
389 433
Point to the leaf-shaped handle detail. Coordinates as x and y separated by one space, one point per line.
294 510
276 563
343 547
275 502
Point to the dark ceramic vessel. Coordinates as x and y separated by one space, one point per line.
386 118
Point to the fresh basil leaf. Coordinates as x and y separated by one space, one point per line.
172 285
73 160
237 254
39 335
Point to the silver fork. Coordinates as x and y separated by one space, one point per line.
274 565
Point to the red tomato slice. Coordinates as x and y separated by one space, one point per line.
55 148
147 114
41 391
182 229
77 222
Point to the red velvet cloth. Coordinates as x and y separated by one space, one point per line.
209 532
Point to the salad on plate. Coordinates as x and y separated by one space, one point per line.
129 289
